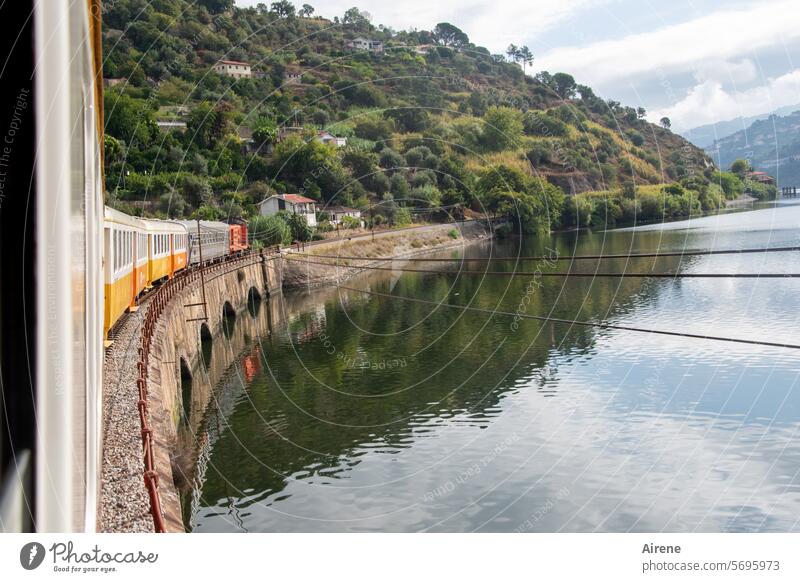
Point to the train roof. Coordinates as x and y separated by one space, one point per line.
191 225
117 217
155 225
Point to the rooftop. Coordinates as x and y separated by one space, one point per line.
293 198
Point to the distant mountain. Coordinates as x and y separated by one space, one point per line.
772 145
705 135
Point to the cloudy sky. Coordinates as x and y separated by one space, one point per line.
695 61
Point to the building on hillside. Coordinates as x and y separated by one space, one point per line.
294 203
292 78
337 213
167 126
246 135
326 137
761 177
110 82
235 69
288 131
423 49
365 44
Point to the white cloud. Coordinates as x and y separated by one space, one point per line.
709 101
723 36
494 24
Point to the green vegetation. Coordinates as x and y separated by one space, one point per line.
426 128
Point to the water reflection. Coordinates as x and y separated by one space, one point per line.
363 413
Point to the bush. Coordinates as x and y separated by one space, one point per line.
265 231
350 222
503 128
402 217
298 225
541 124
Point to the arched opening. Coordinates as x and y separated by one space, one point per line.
206 345
228 319
186 391
253 301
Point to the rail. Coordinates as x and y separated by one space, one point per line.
159 300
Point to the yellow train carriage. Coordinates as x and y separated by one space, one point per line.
166 248
180 250
125 268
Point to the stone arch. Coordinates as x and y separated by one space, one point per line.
253 301
186 390
228 319
206 344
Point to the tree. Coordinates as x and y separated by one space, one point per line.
356 18
298 225
641 112
525 56
665 122
564 85
306 11
265 132
741 166
283 9
447 34
207 124
513 52
129 119
409 119
503 128
216 6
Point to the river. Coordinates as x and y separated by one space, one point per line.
366 413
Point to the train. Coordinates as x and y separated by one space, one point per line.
140 253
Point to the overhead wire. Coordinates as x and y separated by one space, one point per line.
649 255
600 325
540 273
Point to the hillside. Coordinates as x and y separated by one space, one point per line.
428 119
772 145
704 136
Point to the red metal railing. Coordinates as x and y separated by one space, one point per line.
160 299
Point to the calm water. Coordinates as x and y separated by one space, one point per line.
362 413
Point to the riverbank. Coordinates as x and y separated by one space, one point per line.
299 271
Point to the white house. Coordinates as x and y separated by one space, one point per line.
167 126
292 78
294 203
326 137
337 213
365 44
235 69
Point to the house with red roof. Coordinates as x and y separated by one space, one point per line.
761 177
294 203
